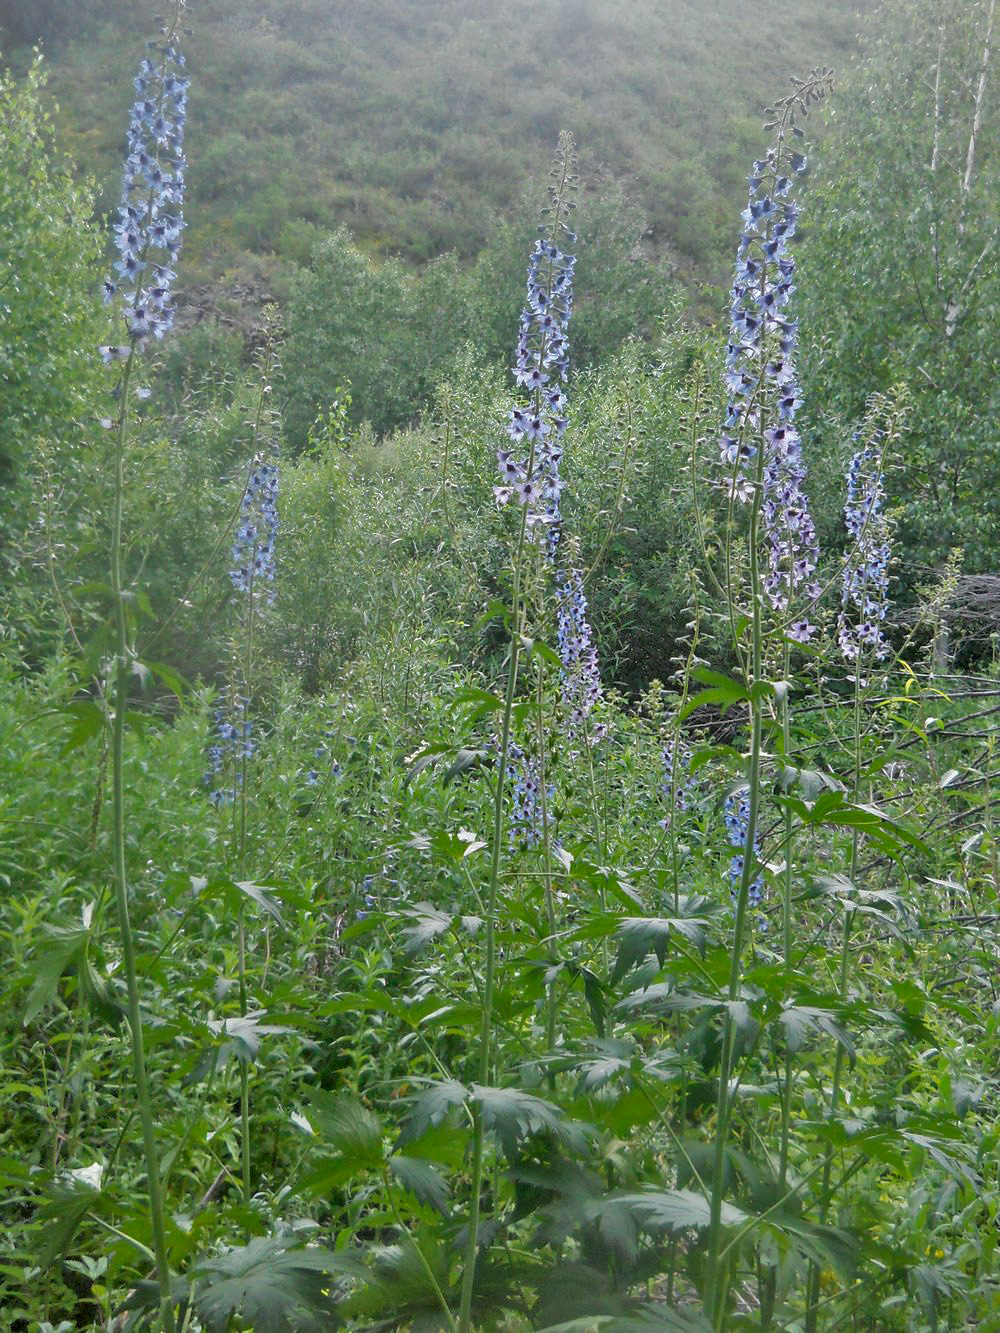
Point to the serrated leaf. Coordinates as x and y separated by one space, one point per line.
423 1181
639 936
345 1123
426 923
677 1210
430 1108
274 1285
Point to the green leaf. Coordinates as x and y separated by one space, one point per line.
168 676
426 923
677 1210
639 936
423 1181
723 691
512 1115
430 1108
344 1122
88 720
274 1284
47 966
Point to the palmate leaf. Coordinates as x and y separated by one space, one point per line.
431 1108
513 1115
346 1124
423 1181
639 936
426 923
799 1020
273 1285
676 1210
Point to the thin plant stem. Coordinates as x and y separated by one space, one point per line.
143 1098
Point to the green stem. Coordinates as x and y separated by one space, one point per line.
550 907
486 1023
715 1290
812 1290
145 1106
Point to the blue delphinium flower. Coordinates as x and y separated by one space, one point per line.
529 470
233 744
677 778
736 814
254 542
761 379
581 673
525 778
150 222
865 590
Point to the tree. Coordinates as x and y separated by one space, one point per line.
902 275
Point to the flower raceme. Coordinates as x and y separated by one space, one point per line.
736 815
529 469
581 672
764 396
865 588
150 222
253 545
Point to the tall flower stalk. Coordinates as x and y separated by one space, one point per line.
860 637
530 476
252 573
147 237
762 456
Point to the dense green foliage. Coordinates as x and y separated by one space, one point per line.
903 269
48 318
464 1006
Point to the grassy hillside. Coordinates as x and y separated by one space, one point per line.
417 124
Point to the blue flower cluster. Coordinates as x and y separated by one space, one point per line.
524 772
581 674
148 232
530 469
676 771
254 542
764 396
865 592
736 813
234 743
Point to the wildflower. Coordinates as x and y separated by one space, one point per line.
524 773
581 674
233 745
761 381
150 214
677 779
540 366
736 815
865 591
254 542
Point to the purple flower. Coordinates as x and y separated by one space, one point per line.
150 222
252 568
762 385
540 367
865 588
581 673
736 815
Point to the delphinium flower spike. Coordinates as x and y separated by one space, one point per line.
252 569
678 782
581 673
865 589
529 469
232 746
736 814
150 216
525 778
761 378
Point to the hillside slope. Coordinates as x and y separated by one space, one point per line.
417 123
